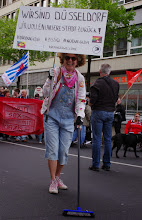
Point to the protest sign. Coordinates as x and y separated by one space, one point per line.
65 30
20 116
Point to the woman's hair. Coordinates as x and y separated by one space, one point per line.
6 91
17 90
81 58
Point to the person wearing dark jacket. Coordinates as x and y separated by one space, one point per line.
103 96
119 116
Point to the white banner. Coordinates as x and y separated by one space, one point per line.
65 30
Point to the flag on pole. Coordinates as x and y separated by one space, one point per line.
16 70
132 76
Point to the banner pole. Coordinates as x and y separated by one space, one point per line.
27 73
27 80
126 92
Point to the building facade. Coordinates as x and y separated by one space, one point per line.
122 57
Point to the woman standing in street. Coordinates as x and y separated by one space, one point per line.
68 100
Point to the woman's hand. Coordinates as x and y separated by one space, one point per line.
79 121
51 73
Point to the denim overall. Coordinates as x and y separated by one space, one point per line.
60 125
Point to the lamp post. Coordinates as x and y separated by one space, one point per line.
88 74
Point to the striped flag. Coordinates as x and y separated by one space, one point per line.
16 70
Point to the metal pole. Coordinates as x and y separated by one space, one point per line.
88 73
78 185
28 73
27 80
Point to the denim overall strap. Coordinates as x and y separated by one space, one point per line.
63 104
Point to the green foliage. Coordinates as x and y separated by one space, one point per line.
118 27
7 33
118 23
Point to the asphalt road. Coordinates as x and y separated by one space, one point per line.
24 182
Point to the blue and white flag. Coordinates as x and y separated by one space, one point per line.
16 70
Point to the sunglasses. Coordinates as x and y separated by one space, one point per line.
72 58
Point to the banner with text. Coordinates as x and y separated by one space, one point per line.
65 30
20 116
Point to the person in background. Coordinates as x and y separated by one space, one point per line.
134 126
16 93
6 93
103 96
39 137
22 96
86 123
88 120
1 92
68 99
133 131
119 116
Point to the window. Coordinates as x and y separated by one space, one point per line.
136 45
13 15
140 101
120 2
43 3
4 62
52 1
9 2
4 2
8 16
127 1
37 4
121 47
9 61
108 52
132 100
49 1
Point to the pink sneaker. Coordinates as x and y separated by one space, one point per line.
61 185
53 188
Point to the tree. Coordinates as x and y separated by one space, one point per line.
7 33
118 22
118 27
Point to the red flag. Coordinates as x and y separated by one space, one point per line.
132 76
20 116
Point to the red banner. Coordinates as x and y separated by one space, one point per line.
20 116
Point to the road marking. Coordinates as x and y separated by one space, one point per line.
23 145
73 155
124 164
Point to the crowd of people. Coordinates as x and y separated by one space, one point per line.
67 107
